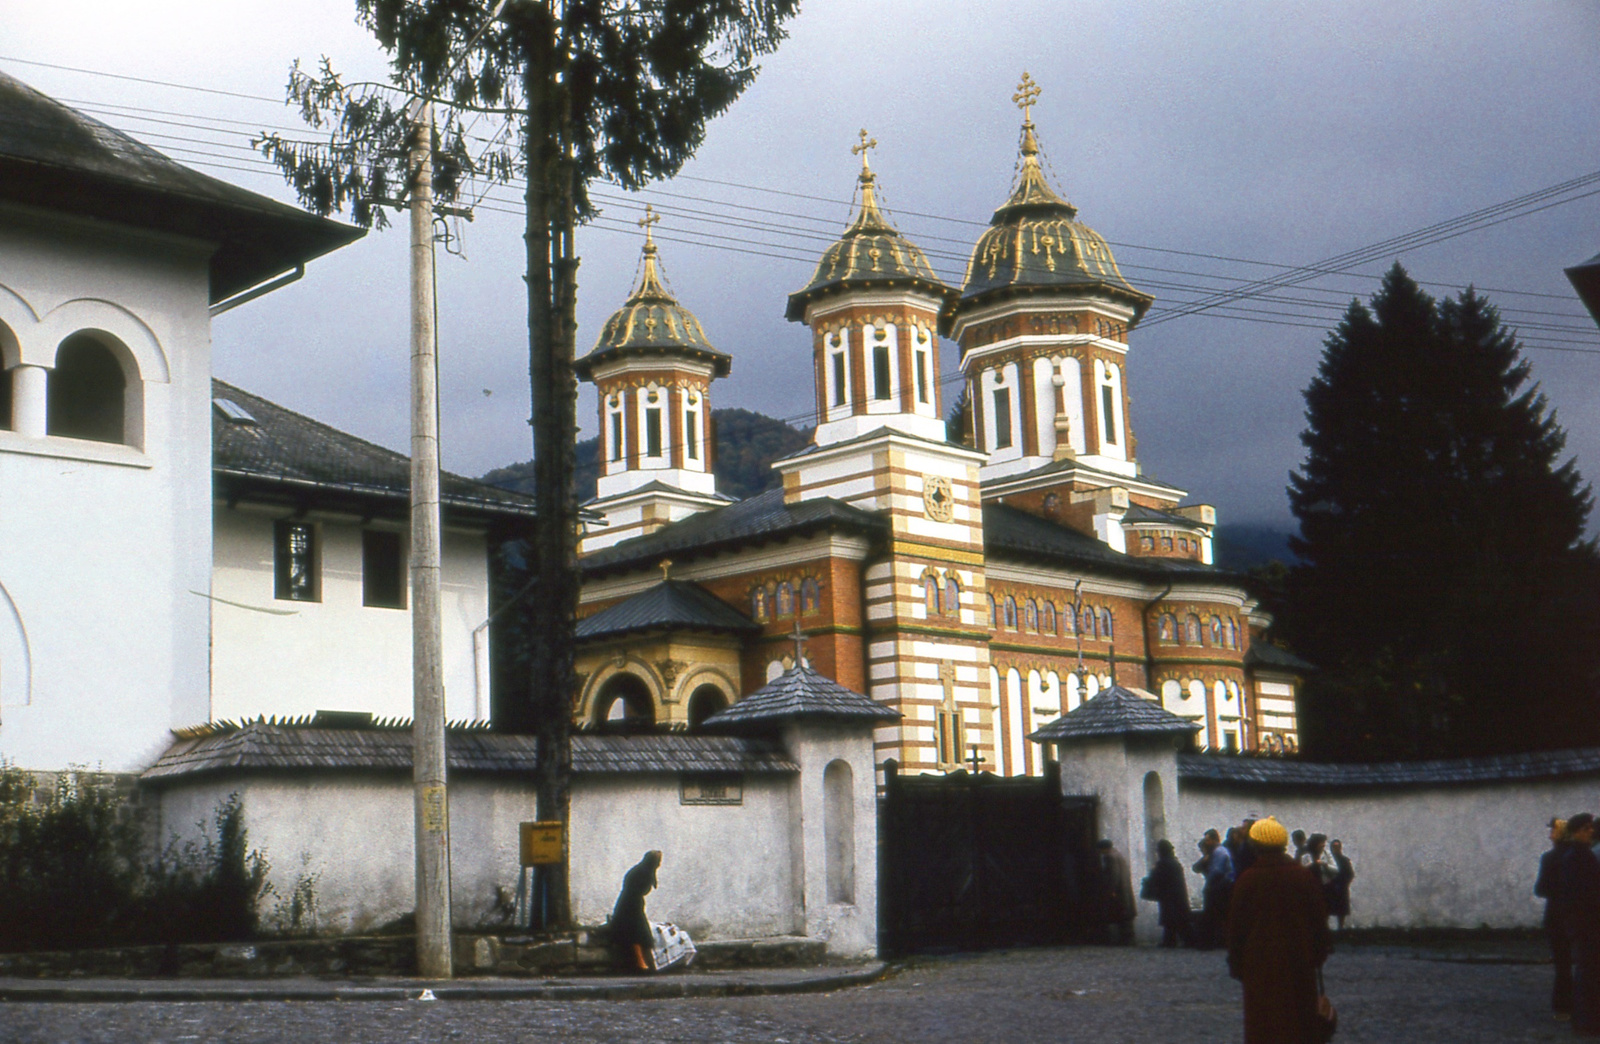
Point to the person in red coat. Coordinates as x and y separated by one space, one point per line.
1277 939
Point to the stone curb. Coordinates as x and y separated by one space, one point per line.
670 987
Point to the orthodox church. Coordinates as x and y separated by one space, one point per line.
982 588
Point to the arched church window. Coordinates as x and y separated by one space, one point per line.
624 705
1216 632
1032 615
810 595
880 370
691 426
1166 541
1191 628
785 599
704 702
952 596
1052 505
1147 543
1086 622
758 604
86 392
1105 623
614 407
930 594
1167 629
994 613
1011 613
652 424
1069 621
1047 617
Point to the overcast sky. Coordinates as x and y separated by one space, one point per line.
1250 132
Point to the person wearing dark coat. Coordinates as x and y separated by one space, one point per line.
1171 894
1277 939
1579 882
630 928
1548 887
1337 891
1116 893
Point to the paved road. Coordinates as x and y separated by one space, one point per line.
1094 996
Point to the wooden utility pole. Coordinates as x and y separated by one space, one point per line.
427 682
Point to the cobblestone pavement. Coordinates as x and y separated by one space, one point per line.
1089 995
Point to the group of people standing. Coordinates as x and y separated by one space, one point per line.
1222 861
1569 883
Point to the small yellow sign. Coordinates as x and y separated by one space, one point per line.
434 809
541 843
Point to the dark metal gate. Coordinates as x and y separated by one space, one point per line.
977 861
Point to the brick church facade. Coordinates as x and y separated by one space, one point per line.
980 588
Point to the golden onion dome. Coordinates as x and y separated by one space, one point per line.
652 322
1035 243
870 254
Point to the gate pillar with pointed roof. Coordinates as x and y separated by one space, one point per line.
1121 747
827 730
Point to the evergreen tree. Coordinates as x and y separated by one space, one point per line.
1445 587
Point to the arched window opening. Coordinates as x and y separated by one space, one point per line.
785 599
952 597
1047 619
1069 621
1147 543
704 702
1191 629
1155 813
1216 631
1166 542
1086 622
1106 631
1032 616
994 613
758 604
7 392
1011 613
930 594
624 705
1074 695
810 595
652 424
1167 629
839 830
87 392
880 371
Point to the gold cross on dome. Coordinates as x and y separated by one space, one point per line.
666 568
650 218
861 149
1027 94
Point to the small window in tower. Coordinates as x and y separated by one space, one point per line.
1108 414
616 436
691 431
1047 618
86 392
810 595
1011 613
6 384
838 379
880 371
295 561
652 428
952 597
922 377
930 594
1002 418
382 570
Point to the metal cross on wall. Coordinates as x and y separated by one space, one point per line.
799 638
976 759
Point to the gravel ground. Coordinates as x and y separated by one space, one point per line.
1088 995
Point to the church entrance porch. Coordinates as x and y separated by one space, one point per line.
974 861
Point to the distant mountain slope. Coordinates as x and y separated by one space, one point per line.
746 445
1245 547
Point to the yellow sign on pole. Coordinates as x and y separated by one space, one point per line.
541 843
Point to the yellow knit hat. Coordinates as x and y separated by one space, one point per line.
1269 833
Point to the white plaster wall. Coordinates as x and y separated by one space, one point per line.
1443 857
105 551
292 658
725 869
851 929
725 874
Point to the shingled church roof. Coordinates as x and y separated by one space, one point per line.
802 693
1114 711
669 605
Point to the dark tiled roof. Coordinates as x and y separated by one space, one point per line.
669 605
259 746
1010 532
1284 772
657 486
762 517
801 693
283 453
1115 711
1265 654
57 158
